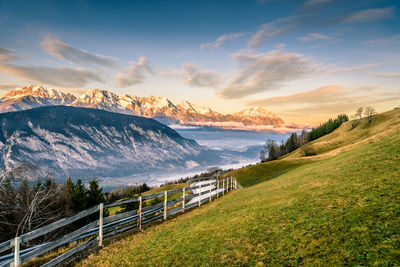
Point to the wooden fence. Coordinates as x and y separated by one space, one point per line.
171 202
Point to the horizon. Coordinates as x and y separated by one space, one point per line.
296 59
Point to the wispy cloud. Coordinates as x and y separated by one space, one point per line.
135 74
369 15
327 100
57 76
61 50
272 29
321 95
221 39
7 54
314 37
195 77
390 41
9 86
336 70
266 72
388 75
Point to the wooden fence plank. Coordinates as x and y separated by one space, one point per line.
121 202
58 224
59 242
69 253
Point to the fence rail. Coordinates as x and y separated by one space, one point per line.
202 191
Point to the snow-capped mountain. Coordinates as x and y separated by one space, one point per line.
257 116
32 96
157 107
86 142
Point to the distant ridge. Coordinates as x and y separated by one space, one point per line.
157 107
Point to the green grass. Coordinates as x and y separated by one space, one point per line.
265 171
338 210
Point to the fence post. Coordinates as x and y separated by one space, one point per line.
101 207
210 191
165 204
17 260
235 183
199 195
183 200
140 213
223 186
217 187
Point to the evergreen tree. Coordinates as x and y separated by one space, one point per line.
94 194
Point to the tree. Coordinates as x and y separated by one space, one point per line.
94 194
359 112
269 144
212 170
273 153
78 196
369 112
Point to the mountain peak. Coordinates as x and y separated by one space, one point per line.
153 106
255 112
37 90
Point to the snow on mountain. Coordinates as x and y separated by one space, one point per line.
157 107
32 96
257 116
87 142
154 106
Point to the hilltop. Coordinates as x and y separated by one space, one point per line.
339 207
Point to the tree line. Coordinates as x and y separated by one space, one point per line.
274 150
26 205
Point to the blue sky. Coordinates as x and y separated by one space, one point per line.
304 60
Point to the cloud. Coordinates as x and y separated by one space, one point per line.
369 15
135 74
272 29
388 75
7 87
221 39
357 68
61 50
327 101
57 76
200 78
313 37
391 41
320 95
266 72
7 54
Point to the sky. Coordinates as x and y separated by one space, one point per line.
304 60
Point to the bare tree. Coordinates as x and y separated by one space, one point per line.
369 112
354 121
359 112
27 205
269 144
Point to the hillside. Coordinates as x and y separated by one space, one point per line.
339 207
342 139
88 142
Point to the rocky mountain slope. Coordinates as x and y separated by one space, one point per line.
86 142
156 107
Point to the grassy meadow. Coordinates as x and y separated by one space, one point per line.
340 207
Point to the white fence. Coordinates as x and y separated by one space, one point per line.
180 200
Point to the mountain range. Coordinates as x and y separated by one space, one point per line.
70 141
157 107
